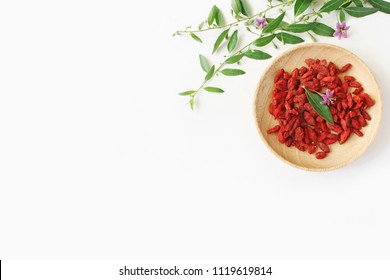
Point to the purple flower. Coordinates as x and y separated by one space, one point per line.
261 22
341 30
327 97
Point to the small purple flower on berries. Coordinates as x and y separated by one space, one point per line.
327 98
261 22
341 30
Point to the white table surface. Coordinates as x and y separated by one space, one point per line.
99 157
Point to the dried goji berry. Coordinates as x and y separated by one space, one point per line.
280 137
278 110
362 120
281 85
329 79
323 147
279 75
322 136
356 124
280 95
367 99
345 67
358 90
302 70
366 115
333 69
274 129
299 134
352 114
311 149
288 142
357 132
309 61
308 118
292 83
355 84
336 128
320 155
345 135
312 134
307 74
329 141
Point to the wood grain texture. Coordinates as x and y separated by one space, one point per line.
340 155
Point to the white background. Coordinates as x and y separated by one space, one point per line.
99 157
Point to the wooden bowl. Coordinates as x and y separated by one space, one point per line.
340 155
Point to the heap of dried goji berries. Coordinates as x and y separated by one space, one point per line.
300 125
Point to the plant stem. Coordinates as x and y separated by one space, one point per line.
302 19
222 65
230 24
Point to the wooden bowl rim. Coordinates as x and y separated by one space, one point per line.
377 103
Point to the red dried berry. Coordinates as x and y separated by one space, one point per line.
357 132
324 147
329 141
355 84
345 67
274 129
320 155
356 124
345 135
308 118
299 134
311 149
362 120
366 115
279 75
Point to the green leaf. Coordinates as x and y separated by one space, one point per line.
260 42
331 6
196 38
360 11
233 41
358 3
346 4
210 73
204 64
286 38
321 109
299 28
212 15
256 54
186 93
273 24
192 102
214 89
236 7
232 72
281 25
220 39
234 59
382 6
342 16
301 6
245 8
323 30
200 26
219 18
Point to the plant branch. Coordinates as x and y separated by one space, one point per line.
229 25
